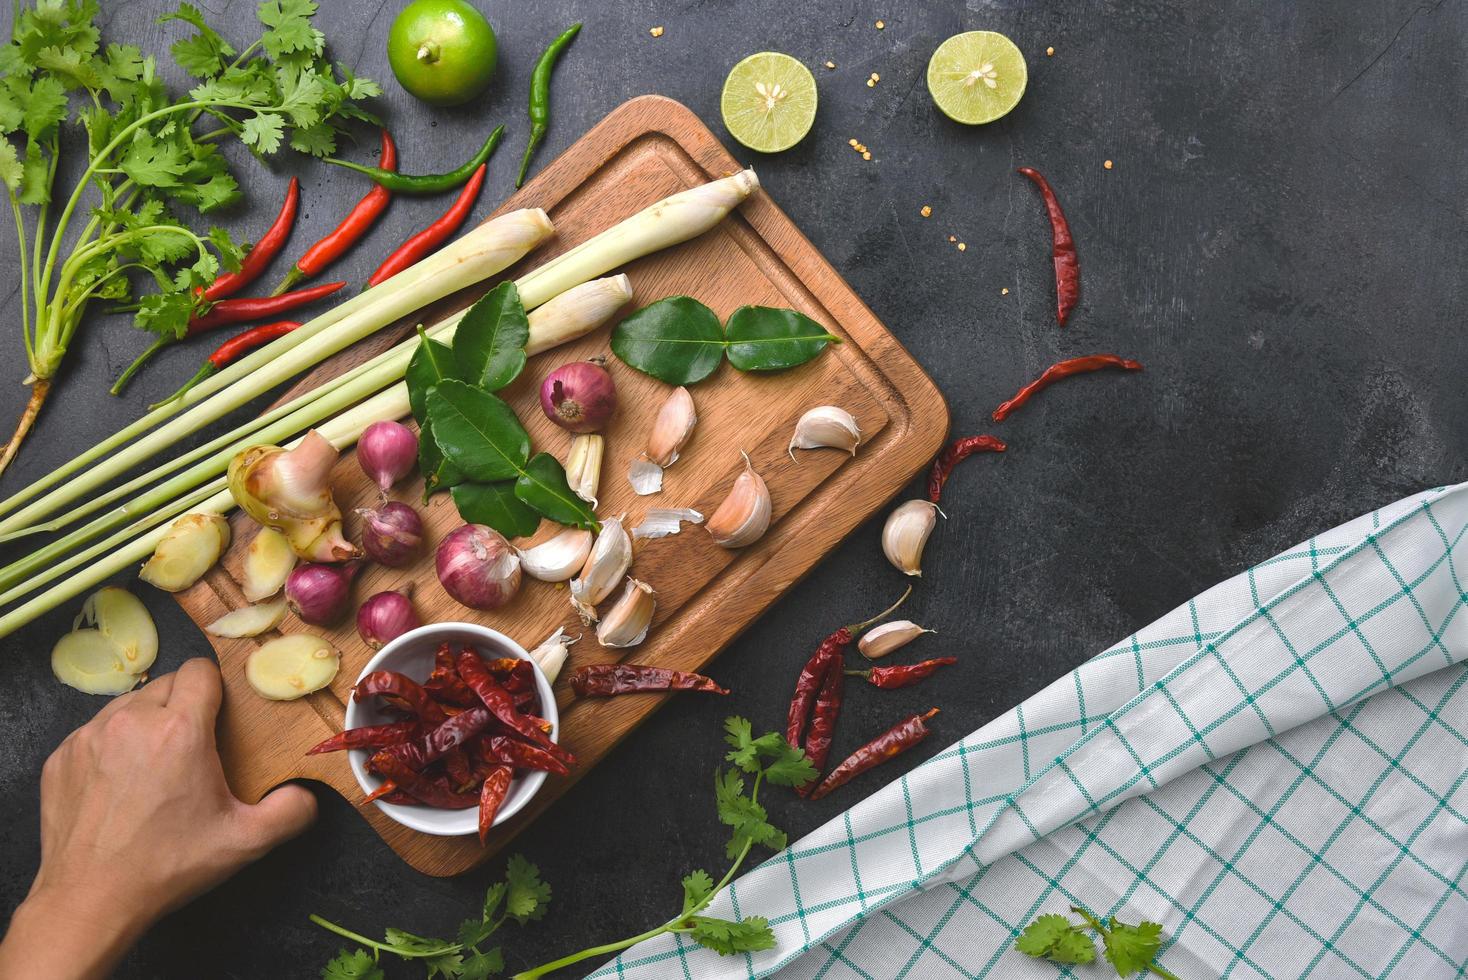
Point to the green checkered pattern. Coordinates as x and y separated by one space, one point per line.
1274 771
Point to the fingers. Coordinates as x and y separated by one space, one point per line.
282 814
197 691
157 690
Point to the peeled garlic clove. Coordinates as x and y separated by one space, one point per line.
121 617
559 558
189 548
583 465
249 620
268 561
905 534
672 428
627 622
826 427
882 640
552 653
663 521
744 516
92 663
645 476
289 667
609 560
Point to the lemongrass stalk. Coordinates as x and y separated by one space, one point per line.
491 248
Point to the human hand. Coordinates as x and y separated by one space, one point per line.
136 819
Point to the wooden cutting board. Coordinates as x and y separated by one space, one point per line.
647 149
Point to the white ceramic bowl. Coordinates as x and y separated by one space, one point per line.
412 654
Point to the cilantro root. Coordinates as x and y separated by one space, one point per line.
1129 949
145 160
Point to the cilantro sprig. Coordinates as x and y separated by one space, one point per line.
152 156
1129 949
522 896
753 761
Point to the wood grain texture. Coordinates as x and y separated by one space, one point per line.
648 148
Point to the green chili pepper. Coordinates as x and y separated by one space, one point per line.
540 95
427 183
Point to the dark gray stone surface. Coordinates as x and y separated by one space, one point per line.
1280 242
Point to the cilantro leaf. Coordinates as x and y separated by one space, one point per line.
263 131
748 819
45 108
528 896
417 944
11 170
165 314
203 55
1131 949
696 888
290 27
472 932
445 965
727 938
494 898
152 162
479 966
1056 938
357 965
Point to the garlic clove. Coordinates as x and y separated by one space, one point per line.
882 640
552 653
645 476
583 465
663 521
607 562
627 622
826 427
744 516
671 429
559 558
905 534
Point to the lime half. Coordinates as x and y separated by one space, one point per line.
977 77
769 101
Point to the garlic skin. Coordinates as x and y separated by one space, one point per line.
826 427
608 561
905 534
660 522
744 516
671 429
288 490
882 640
552 653
559 558
626 623
583 466
645 476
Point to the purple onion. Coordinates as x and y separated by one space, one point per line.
391 534
385 617
320 594
478 567
388 451
579 397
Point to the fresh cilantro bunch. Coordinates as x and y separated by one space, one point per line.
1129 949
522 896
766 758
152 158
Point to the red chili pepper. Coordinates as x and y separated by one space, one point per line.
369 737
496 787
958 450
606 680
444 684
501 704
401 692
351 230
259 256
233 348
435 234
417 753
243 309
901 675
502 749
1062 249
823 719
901 737
460 772
424 789
1064 369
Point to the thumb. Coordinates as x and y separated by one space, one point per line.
281 815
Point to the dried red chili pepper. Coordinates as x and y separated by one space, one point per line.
956 452
353 227
460 772
1064 369
435 234
425 790
401 692
369 737
1062 249
898 739
823 719
418 752
243 309
501 704
504 750
233 348
894 676
496 787
607 680
259 256
444 682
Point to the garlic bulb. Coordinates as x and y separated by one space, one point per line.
627 622
583 465
608 561
288 490
672 428
744 516
559 558
552 653
882 640
826 427
905 534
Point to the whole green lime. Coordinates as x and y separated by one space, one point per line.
442 51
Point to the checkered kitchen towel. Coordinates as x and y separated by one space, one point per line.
1274 771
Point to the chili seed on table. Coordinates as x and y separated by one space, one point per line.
1107 164
1049 52
962 247
830 64
927 211
881 24
656 31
